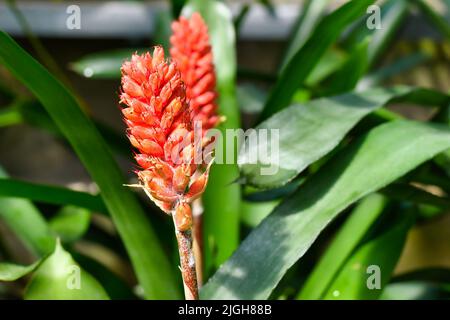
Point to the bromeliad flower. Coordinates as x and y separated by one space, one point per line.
173 156
192 52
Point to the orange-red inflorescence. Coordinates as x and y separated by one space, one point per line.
174 170
191 51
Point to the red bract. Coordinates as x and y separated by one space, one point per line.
192 52
170 153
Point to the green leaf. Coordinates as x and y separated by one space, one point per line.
345 242
177 6
305 59
436 275
251 98
240 17
310 16
346 78
25 220
151 265
221 199
59 277
115 286
12 272
382 253
309 131
391 20
397 67
385 154
9 116
70 223
163 30
440 22
104 64
50 194
414 290
392 14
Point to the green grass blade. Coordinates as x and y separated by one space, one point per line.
441 23
331 61
70 223
345 242
50 194
12 272
385 154
222 198
304 60
9 116
151 265
354 281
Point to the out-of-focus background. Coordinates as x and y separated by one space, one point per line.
33 154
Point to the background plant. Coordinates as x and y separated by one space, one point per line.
355 176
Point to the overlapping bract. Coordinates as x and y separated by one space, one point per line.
192 52
173 156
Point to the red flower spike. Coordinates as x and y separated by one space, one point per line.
192 53
160 128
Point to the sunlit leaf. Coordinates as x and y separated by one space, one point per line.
305 59
50 194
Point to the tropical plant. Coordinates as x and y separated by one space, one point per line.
349 176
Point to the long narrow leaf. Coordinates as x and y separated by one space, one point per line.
59 277
310 16
27 223
50 194
349 236
304 60
382 156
